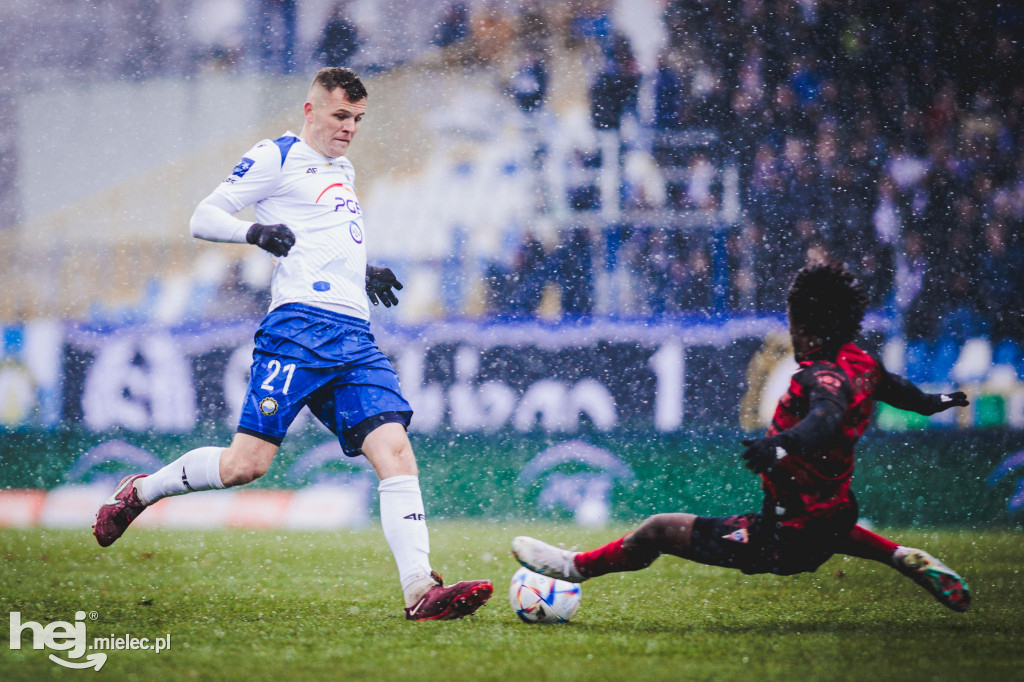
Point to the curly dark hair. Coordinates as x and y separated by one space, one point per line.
828 302
334 77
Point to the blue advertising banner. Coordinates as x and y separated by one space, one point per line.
472 377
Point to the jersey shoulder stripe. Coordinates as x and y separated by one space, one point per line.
285 144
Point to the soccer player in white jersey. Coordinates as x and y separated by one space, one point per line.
314 347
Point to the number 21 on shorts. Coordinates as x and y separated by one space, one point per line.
275 367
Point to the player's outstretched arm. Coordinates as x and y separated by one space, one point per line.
214 221
380 286
827 394
771 453
903 394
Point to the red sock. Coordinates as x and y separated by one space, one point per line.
867 545
610 558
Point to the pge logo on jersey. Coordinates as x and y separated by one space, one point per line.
343 198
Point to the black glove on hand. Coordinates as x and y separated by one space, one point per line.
275 239
762 454
379 282
943 401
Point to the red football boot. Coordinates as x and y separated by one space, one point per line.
449 603
118 511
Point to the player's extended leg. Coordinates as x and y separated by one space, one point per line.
208 468
939 579
657 535
402 517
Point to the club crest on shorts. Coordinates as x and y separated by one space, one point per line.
741 535
268 406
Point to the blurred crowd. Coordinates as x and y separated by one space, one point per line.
885 135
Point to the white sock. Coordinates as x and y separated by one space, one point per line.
196 470
405 529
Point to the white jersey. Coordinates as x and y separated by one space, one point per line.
287 181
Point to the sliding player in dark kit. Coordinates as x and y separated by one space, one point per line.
805 462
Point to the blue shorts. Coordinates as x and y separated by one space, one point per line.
328 361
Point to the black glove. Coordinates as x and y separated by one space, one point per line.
275 239
379 282
762 454
940 402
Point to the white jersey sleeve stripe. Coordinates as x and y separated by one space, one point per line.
214 222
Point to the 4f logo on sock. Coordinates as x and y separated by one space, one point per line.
415 516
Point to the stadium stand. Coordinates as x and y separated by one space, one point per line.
685 157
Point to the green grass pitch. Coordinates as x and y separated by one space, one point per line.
279 605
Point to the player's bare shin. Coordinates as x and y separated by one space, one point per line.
246 459
664 533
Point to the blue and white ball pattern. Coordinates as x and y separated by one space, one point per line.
536 598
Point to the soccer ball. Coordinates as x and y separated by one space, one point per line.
537 598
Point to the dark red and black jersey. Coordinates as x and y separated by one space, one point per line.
813 481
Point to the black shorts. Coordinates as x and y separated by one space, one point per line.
754 543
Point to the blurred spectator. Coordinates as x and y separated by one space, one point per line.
745 267
515 289
886 219
802 183
454 27
745 132
219 33
876 270
277 35
707 100
339 40
693 280
573 271
764 190
661 252
915 288
528 85
614 91
702 185
668 95
1000 289
236 298
590 21
952 277
804 80
534 25
583 193
493 32
788 119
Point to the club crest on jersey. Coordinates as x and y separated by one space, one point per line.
830 382
356 232
268 406
243 166
741 535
